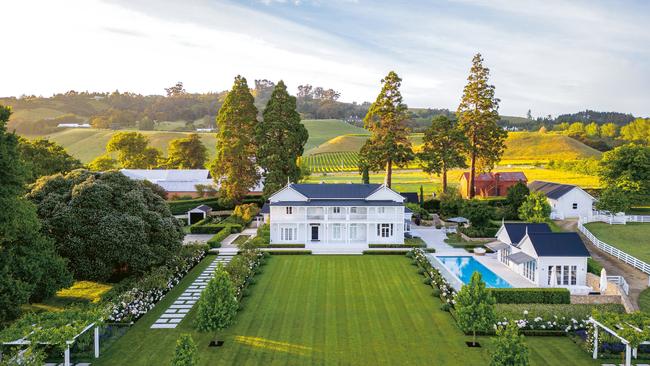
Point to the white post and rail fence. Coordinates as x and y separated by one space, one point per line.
617 253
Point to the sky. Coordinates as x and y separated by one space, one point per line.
549 56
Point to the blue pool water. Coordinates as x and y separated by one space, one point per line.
463 267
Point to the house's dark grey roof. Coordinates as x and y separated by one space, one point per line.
517 230
326 202
550 189
336 190
410 197
520 257
407 210
203 208
558 245
265 208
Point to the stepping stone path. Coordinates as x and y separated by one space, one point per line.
177 311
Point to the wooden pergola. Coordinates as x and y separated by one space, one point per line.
629 350
66 354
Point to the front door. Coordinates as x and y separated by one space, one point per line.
314 233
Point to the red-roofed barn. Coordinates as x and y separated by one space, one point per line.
491 184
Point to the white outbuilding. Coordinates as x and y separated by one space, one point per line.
566 200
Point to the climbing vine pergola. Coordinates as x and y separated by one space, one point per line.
631 329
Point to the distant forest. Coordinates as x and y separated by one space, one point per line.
119 110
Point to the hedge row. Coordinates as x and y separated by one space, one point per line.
215 241
384 252
531 295
289 252
285 246
182 206
405 246
199 228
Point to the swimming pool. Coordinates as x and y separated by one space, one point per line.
464 266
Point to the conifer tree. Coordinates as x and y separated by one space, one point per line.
281 140
443 148
234 167
386 120
477 117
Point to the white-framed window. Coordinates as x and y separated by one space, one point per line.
504 253
353 231
575 205
336 231
336 210
574 275
385 230
289 210
566 275
530 269
353 210
288 233
381 210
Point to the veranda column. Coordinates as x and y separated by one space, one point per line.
66 355
595 355
628 355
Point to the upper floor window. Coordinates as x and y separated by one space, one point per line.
289 210
336 210
575 205
353 210
381 210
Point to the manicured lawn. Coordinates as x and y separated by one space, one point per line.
328 310
632 238
644 300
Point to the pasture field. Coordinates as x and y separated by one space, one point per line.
632 238
330 310
411 180
322 130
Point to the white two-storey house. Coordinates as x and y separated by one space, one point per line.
344 214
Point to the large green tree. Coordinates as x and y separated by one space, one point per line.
133 150
535 208
478 114
44 157
613 199
443 148
234 168
187 153
186 353
475 306
281 140
30 269
106 224
386 120
627 167
637 131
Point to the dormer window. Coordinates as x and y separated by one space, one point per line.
289 210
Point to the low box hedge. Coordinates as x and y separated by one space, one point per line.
289 252
200 228
531 295
285 246
385 252
405 246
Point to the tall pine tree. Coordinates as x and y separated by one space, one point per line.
281 140
443 148
234 167
386 120
30 270
478 114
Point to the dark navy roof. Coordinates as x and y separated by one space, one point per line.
203 208
550 189
265 208
517 230
407 210
322 202
336 190
411 197
558 245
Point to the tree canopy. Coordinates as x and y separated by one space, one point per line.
133 150
234 167
106 224
43 157
477 117
509 347
443 148
187 153
30 269
217 306
535 208
628 167
281 140
388 144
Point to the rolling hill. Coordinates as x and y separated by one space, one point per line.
323 130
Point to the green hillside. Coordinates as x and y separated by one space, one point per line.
323 130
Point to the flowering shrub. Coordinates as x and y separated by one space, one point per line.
144 293
447 292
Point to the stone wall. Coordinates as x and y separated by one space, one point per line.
613 294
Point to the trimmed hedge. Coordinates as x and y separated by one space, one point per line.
289 252
405 246
384 252
285 246
200 228
553 295
182 206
